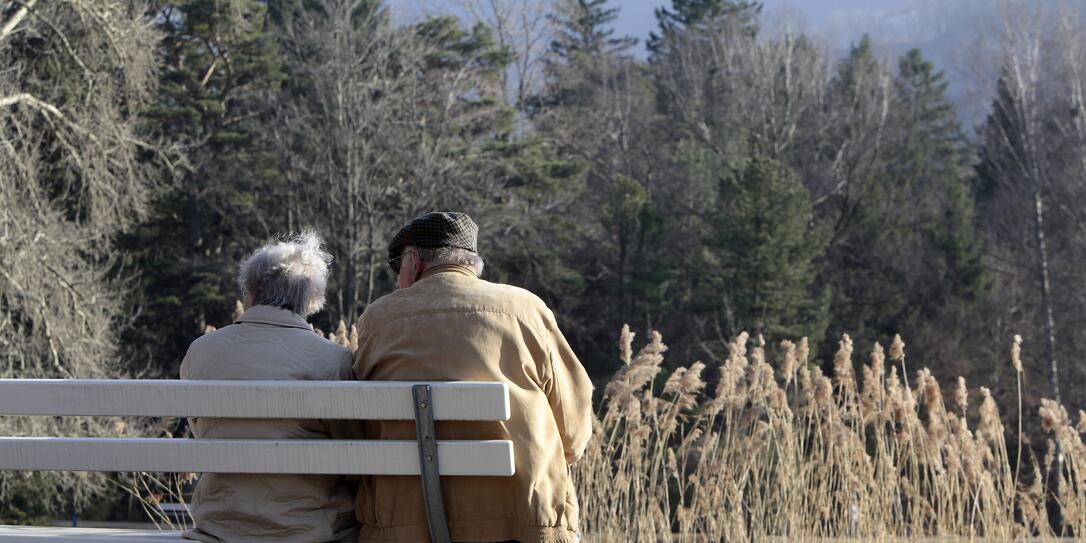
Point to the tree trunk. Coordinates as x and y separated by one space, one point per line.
1046 293
371 251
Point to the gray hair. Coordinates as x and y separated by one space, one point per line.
449 255
291 273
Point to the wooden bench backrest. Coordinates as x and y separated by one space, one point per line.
251 399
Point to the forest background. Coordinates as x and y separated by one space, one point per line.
739 176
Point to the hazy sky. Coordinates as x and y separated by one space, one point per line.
637 18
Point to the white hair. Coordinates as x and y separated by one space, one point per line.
448 255
290 273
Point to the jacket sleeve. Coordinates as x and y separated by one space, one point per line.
186 373
360 368
569 391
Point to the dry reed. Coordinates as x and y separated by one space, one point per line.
802 456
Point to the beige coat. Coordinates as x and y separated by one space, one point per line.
453 326
268 343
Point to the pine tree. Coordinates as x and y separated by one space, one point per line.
858 68
931 166
703 14
760 256
640 276
582 27
1001 143
220 69
597 107
937 163
583 60
904 217
858 206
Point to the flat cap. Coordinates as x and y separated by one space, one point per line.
434 230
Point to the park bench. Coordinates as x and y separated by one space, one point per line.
379 400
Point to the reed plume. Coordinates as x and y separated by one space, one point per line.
799 455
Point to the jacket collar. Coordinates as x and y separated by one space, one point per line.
448 268
275 316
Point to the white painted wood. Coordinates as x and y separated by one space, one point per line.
37 534
372 400
384 457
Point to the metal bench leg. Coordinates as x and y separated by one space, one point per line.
431 481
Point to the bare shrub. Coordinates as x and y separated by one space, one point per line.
73 77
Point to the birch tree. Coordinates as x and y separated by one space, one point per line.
1031 177
1016 171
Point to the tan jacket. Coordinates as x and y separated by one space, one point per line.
268 343
453 326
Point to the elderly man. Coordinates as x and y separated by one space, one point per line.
443 324
282 283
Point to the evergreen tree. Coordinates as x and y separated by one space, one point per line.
858 68
640 276
582 27
583 60
760 256
930 166
220 70
598 107
936 162
708 15
1001 144
857 204
904 217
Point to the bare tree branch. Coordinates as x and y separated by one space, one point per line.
16 18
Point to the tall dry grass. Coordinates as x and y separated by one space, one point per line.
781 450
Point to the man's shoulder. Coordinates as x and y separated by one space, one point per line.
482 296
386 303
476 295
521 297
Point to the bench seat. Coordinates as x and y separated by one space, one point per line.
35 534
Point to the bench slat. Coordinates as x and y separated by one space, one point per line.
372 400
38 534
385 457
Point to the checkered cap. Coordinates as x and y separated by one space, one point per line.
434 230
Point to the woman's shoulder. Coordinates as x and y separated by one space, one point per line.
267 352
326 359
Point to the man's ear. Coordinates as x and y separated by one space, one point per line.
419 266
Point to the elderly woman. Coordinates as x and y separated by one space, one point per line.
282 283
